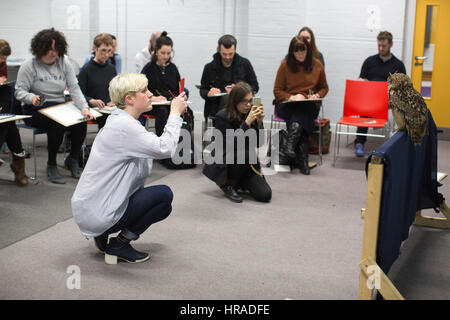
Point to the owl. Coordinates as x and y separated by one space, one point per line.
408 107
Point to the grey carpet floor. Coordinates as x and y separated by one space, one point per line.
304 244
26 211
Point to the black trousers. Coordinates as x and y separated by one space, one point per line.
55 135
361 139
101 121
145 207
242 175
10 134
161 114
302 112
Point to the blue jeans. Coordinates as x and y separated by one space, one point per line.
146 206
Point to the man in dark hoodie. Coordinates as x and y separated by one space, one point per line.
221 74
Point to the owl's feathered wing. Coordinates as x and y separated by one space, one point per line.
409 104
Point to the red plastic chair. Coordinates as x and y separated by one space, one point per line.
148 117
365 105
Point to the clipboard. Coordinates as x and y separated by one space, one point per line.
105 109
165 103
11 117
221 94
316 99
67 114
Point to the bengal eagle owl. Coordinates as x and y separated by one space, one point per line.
408 107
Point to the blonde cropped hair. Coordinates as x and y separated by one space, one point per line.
126 84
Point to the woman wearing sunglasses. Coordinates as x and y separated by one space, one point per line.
299 77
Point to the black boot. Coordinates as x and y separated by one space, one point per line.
231 193
284 160
294 135
119 248
302 159
101 241
73 165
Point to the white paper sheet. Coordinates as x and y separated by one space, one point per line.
67 114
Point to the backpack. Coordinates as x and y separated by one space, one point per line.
313 143
187 127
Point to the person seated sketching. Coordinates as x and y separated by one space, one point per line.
10 134
239 113
110 195
95 76
145 55
5 51
220 75
300 76
45 77
377 68
163 80
114 58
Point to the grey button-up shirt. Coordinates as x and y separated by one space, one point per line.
117 167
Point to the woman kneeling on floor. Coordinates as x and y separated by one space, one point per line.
239 113
110 195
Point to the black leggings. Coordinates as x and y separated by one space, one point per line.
55 135
242 175
10 134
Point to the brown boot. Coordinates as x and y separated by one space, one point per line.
18 167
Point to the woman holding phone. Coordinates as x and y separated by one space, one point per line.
240 168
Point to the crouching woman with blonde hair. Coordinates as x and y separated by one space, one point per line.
110 195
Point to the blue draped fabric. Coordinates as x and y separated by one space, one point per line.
409 184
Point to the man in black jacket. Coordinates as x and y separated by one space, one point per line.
221 74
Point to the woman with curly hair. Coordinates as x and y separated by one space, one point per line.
41 82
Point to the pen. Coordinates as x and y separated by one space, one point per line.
172 94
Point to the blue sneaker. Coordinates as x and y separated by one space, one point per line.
359 150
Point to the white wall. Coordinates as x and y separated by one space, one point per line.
345 32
